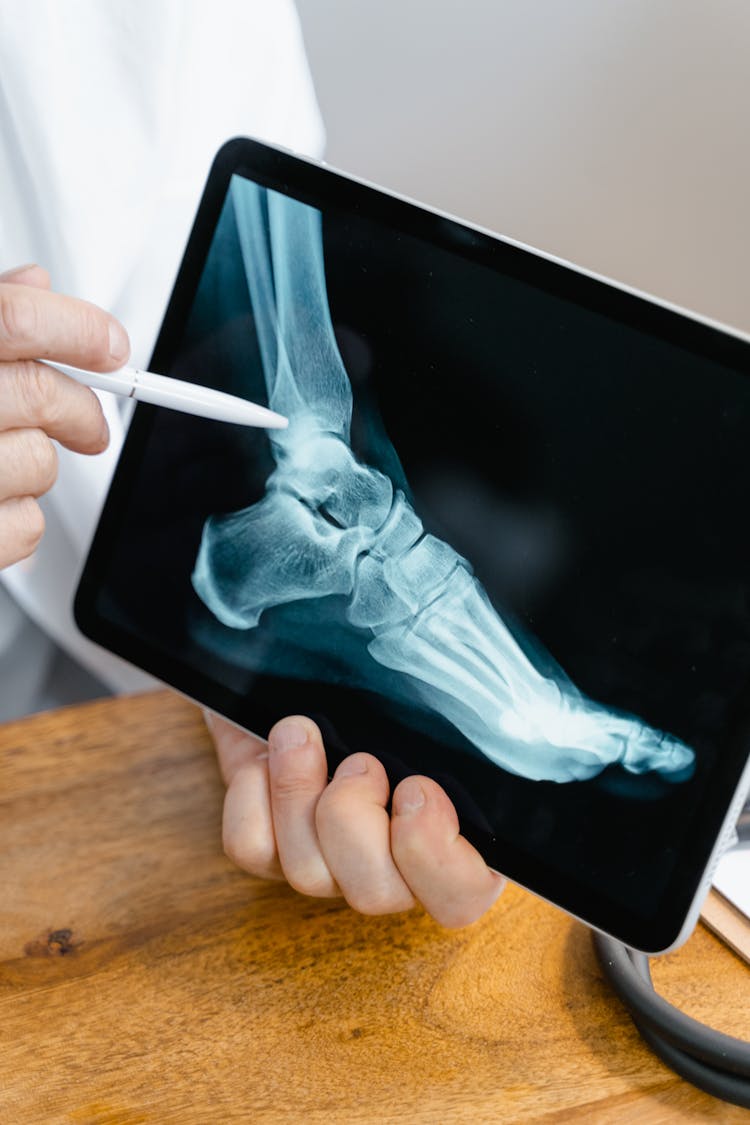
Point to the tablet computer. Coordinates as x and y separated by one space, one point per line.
504 541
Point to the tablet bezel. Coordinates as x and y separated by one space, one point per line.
322 187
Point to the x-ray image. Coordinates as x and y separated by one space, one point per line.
330 525
502 541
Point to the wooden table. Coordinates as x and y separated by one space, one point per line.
144 979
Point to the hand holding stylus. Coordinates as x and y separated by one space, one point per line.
38 404
49 346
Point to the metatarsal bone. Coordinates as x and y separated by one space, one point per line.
520 720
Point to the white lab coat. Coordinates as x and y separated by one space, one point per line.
110 114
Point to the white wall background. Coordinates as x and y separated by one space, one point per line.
615 133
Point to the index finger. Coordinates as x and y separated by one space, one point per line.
38 324
247 829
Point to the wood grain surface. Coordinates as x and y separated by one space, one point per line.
144 979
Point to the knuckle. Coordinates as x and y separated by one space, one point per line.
290 785
18 316
374 901
36 390
94 333
311 882
30 524
43 457
249 851
364 904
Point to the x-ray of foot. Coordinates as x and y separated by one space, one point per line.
329 524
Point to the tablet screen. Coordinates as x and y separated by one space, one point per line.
503 541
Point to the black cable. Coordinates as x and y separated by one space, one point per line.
716 1063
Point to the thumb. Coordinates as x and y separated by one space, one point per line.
29 274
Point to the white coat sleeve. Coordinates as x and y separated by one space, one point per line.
111 115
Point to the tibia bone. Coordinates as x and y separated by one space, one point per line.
282 250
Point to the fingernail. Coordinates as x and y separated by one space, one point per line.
208 719
104 433
409 797
288 736
352 766
119 345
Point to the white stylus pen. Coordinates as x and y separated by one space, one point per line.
160 390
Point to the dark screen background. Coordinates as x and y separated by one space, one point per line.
595 477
